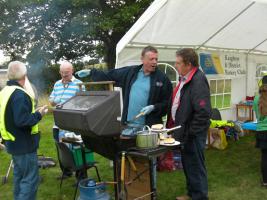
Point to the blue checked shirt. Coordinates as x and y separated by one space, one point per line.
64 92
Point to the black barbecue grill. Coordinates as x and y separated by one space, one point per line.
94 115
90 113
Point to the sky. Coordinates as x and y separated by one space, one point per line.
2 57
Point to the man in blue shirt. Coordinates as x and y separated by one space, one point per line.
144 88
63 90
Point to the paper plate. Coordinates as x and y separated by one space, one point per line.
172 144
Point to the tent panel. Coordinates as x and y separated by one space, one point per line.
188 22
248 30
129 56
221 25
140 23
263 47
132 55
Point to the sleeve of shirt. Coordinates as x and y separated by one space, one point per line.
52 95
200 101
22 107
76 83
117 75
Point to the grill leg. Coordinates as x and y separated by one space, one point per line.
99 179
61 179
76 188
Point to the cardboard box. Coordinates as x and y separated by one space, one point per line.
217 138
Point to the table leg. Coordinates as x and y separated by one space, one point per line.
152 172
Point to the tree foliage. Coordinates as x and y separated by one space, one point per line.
49 30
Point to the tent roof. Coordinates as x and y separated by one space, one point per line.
234 25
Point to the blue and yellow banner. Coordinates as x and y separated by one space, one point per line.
211 63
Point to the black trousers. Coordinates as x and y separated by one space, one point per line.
261 143
264 165
193 161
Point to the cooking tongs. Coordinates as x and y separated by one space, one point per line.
139 115
136 117
166 130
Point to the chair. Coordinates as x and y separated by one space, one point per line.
215 115
66 159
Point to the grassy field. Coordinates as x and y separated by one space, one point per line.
233 173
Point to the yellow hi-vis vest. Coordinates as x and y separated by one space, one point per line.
5 94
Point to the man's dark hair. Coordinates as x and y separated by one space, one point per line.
147 49
189 56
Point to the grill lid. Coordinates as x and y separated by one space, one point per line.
90 113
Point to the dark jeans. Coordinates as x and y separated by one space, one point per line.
26 176
261 143
193 161
264 165
80 174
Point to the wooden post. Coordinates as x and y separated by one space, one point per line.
110 84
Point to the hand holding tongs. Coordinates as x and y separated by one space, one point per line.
136 117
139 115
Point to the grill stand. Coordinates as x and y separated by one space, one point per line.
139 183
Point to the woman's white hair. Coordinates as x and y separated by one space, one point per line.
16 70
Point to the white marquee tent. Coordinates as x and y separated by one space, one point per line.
233 30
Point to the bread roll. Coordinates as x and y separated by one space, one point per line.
157 126
161 136
169 141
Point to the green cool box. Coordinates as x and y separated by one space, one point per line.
77 155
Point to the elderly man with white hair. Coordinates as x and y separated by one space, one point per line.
63 90
19 129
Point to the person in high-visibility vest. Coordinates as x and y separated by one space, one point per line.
19 129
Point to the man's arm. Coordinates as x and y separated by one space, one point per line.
22 108
117 75
200 100
53 98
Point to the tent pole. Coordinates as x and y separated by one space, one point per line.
247 62
257 45
247 74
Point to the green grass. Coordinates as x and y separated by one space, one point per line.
233 173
